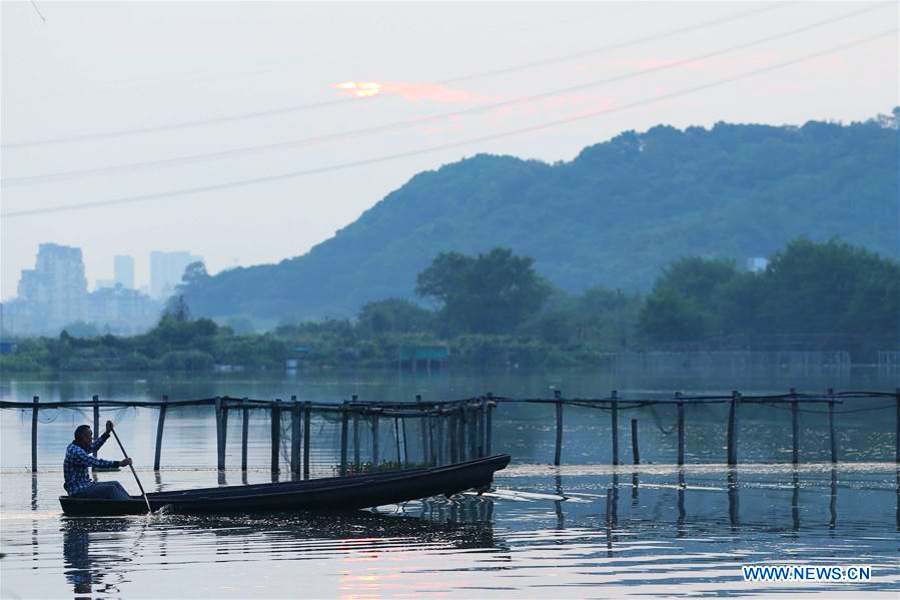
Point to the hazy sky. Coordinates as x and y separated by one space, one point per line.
123 100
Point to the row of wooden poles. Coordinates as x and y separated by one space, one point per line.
469 425
454 430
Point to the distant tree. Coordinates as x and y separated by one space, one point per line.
194 275
394 316
490 293
178 309
686 301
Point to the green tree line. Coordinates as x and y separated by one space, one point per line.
493 308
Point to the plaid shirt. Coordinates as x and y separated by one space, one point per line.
77 462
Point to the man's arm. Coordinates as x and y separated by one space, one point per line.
99 442
82 458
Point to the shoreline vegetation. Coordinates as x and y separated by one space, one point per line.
493 309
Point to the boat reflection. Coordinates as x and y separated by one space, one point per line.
99 553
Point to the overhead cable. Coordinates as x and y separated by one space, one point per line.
450 145
248 150
344 101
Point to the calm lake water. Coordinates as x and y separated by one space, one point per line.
583 530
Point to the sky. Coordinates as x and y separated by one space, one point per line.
247 133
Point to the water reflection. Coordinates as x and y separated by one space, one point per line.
99 552
93 571
733 500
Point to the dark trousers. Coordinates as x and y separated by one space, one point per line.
107 490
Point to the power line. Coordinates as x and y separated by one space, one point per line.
342 101
144 165
538 127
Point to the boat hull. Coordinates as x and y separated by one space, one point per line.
334 493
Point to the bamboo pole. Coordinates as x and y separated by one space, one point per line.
479 445
296 440
732 428
376 450
307 416
615 427
473 432
897 439
356 450
635 452
405 444
557 455
245 435
220 436
344 426
159 432
276 435
795 428
490 425
423 427
440 439
454 453
680 428
832 437
462 432
397 439
34 422
96 401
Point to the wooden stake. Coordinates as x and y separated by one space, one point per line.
220 436
34 421
276 435
557 455
307 415
405 445
635 452
462 432
490 425
480 425
473 432
245 434
897 395
96 400
159 432
454 453
356 449
795 429
344 426
680 428
834 451
424 426
376 450
440 439
615 427
397 439
732 429
296 440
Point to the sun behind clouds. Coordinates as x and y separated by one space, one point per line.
410 91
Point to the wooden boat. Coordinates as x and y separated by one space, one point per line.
333 493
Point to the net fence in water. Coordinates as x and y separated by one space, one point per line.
353 437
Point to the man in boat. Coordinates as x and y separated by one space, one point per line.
78 460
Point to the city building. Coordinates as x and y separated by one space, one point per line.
123 267
54 296
54 293
166 269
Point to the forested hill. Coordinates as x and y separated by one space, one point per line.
615 216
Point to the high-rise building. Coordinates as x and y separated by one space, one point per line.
123 267
55 291
166 269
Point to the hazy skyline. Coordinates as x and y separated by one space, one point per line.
247 100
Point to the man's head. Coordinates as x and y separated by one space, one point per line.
83 435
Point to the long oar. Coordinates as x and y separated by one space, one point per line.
143 493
